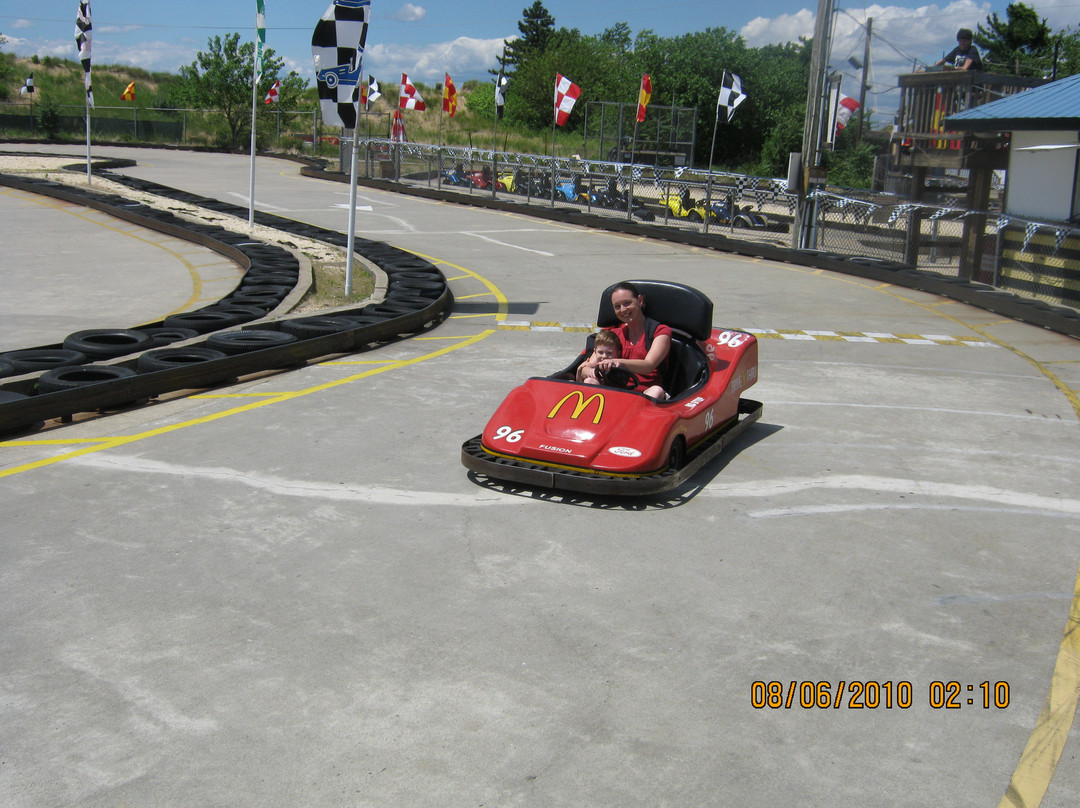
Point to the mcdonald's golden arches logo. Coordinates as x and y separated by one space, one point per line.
581 405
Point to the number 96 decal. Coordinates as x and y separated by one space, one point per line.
732 338
510 434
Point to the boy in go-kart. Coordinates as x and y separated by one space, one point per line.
605 346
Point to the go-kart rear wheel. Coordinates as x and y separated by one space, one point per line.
677 455
693 216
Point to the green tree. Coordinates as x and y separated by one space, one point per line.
1020 44
220 79
537 27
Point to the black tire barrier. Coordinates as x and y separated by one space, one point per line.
106 343
169 358
269 279
202 321
232 343
269 291
406 311
258 301
6 368
161 336
34 359
69 378
244 313
308 327
8 395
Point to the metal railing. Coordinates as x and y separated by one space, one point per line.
1039 260
179 127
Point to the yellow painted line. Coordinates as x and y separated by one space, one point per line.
1040 758
335 362
114 442
235 395
470 297
1043 751
472 316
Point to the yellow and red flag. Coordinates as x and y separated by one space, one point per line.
129 93
449 96
644 97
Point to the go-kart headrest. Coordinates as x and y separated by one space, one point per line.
673 304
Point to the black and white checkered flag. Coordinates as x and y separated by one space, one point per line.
28 85
1029 233
83 40
1059 236
731 95
337 46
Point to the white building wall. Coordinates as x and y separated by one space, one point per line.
1042 183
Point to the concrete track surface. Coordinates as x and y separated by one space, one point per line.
289 592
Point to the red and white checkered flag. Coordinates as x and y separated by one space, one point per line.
409 97
272 96
566 93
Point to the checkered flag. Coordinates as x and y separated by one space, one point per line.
337 46
83 41
635 172
731 95
1003 222
1029 233
937 214
898 211
762 197
679 171
1059 236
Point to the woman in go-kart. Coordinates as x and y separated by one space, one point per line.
645 361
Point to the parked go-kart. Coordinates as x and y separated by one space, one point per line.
683 206
552 432
467 179
609 196
744 216
572 190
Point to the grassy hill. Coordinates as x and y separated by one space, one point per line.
61 80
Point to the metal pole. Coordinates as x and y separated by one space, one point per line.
812 127
352 214
862 86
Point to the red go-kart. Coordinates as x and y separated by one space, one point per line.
552 432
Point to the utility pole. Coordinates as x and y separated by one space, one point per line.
862 86
812 128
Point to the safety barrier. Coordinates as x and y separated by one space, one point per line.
417 297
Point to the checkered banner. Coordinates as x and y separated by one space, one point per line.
337 46
1029 233
84 39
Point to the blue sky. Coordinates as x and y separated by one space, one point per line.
426 39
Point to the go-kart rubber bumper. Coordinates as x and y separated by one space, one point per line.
564 478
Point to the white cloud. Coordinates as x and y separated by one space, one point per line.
902 37
463 58
409 13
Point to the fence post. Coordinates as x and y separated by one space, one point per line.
974 237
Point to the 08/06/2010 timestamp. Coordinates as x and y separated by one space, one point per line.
870 694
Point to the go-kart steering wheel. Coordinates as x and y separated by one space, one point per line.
616 377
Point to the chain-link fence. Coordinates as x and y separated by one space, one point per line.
278 129
1034 259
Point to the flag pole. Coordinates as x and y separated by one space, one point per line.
716 123
260 29
353 165
89 177
251 172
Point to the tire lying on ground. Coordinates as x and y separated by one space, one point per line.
238 342
32 359
169 358
308 327
105 343
6 368
213 319
69 378
161 336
